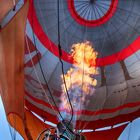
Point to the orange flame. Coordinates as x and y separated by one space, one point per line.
81 75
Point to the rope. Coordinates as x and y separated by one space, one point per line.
62 66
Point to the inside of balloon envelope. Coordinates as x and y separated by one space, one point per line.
70 71
77 67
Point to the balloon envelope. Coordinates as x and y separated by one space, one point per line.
113 29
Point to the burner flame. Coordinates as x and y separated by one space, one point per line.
79 79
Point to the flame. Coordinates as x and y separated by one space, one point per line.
80 79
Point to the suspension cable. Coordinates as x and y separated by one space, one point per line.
60 55
43 73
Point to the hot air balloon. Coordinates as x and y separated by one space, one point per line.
38 56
